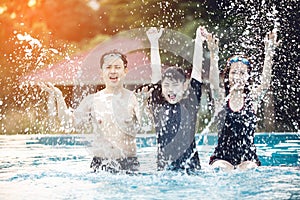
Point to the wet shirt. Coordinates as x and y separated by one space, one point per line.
175 128
236 135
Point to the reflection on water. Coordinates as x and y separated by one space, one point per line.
57 167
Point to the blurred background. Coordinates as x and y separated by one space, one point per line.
36 34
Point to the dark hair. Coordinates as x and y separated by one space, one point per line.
114 53
227 69
174 73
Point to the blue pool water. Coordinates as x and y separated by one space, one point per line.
57 167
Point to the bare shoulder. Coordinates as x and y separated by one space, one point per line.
128 94
100 95
87 98
130 98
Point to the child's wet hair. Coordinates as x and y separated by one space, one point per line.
237 58
111 54
174 73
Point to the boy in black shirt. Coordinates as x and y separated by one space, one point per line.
174 102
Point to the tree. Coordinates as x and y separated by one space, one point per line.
71 20
62 28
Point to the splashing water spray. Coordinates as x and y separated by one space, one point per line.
131 43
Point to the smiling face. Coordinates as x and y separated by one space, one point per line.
113 71
172 90
238 75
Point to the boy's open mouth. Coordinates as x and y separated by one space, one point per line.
172 96
113 79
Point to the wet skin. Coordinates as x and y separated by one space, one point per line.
238 75
172 90
113 72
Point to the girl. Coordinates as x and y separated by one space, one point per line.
237 119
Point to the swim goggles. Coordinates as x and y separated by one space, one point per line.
113 54
240 59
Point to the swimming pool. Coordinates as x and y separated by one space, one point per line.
57 167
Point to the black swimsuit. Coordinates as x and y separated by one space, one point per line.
236 135
175 129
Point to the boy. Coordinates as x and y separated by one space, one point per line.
112 115
174 102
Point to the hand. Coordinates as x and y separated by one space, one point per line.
154 34
50 88
143 94
201 33
271 41
212 43
46 88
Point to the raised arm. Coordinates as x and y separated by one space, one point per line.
198 53
214 80
270 44
214 72
153 36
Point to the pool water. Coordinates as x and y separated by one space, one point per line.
57 167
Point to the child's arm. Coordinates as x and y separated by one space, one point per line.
270 44
142 95
64 114
141 108
153 36
198 54
214 72
214 80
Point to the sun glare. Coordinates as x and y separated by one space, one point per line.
2 9
31 3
